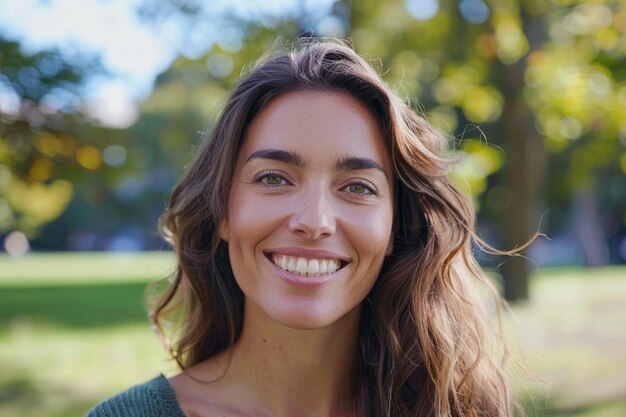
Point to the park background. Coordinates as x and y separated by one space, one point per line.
103 101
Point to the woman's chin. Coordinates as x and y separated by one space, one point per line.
311 317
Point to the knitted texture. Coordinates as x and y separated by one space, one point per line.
155 398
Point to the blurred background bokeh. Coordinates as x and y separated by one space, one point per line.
103 101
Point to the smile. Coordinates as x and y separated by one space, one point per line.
306 267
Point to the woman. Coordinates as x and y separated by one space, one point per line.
324 259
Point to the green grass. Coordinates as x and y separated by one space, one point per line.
83 268
73 331
572 334
75 306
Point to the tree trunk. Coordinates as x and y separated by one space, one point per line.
524 171
516 225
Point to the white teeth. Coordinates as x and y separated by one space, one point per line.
301 266
306 267
282 262
313 267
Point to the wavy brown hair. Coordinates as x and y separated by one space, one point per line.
424 347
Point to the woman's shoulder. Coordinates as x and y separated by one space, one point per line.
151 399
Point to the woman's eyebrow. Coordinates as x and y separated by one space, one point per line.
288 157
351 163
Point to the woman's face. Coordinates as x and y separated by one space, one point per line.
310 210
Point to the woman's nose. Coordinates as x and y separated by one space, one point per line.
313 217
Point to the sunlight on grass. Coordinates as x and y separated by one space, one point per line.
73 329
571 334
47 369
81 267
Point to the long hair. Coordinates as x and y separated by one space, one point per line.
424 347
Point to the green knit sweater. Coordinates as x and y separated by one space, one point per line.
155 398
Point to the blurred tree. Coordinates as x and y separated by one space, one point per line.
66 181
39 146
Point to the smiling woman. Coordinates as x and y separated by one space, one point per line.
324 259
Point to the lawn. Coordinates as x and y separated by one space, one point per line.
73 331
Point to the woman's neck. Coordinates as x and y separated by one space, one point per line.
278 371
300 369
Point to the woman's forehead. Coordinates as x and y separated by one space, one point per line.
317 123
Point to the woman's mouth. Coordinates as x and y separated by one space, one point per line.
307 267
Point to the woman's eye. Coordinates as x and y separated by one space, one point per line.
359 188
273 180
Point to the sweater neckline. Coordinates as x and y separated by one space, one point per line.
167 397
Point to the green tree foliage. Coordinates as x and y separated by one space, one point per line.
63 176
39 139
